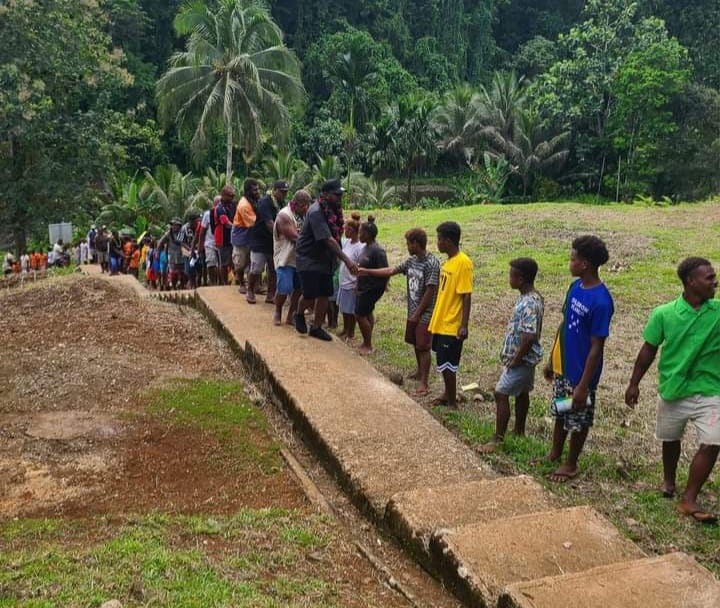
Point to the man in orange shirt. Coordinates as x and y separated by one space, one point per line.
243 221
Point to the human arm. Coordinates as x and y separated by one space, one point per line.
526 342
644 360
580 393
425 301
286 227
338 252
384 273
466 302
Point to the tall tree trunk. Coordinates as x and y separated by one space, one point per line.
411 202
228 155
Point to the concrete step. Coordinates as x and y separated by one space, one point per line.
670 581
479 560
417 515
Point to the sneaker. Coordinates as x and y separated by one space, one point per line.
300 324
320 334
250 297
242 289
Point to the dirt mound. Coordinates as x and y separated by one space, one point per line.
77 353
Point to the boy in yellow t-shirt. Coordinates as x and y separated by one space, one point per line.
449 322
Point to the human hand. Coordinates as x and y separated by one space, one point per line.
462 332
353 268
631 395
548 373
362 272
579 399
414 319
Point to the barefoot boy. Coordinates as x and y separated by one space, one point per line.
688 329
422 270
576 358
449 321
521 351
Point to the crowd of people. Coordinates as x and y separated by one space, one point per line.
306 256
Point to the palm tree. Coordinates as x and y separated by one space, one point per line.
286 166
174 191
236 74
457 123
374 193
354 75
415 135
500 105
531 150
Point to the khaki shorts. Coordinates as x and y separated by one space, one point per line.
241 257
703 412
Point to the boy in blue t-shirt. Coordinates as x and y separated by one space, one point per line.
576 359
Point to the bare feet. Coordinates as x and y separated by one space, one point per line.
563 474
422 390
365 350
277 320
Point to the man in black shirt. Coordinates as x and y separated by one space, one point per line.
261 241
317 249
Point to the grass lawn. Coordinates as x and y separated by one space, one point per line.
620 469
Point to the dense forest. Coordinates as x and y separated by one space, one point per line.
129 111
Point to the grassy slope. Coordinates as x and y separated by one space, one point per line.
621 466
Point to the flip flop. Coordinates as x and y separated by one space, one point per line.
562 477
667 493
700 516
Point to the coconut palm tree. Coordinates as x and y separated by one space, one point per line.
531 150
174 191
501 103
457 123
235 75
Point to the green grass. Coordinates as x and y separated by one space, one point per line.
223 409
167 561
620 468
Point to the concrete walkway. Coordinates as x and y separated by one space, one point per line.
494 541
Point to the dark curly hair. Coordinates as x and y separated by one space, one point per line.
690 265
527 267
592 249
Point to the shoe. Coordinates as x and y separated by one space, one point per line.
250 297
242 289
300 324
276 319
320 334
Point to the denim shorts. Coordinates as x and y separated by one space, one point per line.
287 280
516 380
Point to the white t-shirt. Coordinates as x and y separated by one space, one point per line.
209 236
25 262
353 251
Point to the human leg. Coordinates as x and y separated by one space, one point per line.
366 331
522 405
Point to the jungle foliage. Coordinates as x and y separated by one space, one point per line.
494 99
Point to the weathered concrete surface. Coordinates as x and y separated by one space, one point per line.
484 558
381 441
483 533
670 581
417 515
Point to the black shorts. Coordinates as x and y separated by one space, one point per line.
316 285
447 351
365 302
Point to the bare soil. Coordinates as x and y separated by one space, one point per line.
78 355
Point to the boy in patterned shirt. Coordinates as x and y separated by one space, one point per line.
521 351
422 270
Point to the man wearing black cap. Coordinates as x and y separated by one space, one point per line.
317 250
261 241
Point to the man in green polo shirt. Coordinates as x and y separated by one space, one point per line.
689 378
